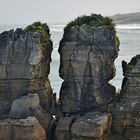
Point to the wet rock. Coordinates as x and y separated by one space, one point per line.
87 53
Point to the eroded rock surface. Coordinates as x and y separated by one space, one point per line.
25 57
126 111
87 53
25 90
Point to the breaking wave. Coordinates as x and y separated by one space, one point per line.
128 26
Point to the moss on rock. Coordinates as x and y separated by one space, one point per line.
94 20
37 27
44 31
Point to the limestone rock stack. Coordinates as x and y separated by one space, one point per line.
25 90
126 110
25 64
87 53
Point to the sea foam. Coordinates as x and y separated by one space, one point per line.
128 26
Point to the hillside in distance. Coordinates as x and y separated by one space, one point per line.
130 18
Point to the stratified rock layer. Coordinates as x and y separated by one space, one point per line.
22 129
25 57
126 111
87 53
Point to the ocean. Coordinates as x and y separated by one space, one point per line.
129 36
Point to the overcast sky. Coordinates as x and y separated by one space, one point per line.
27 11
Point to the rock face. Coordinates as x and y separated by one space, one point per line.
25 57
21 129
126 111
25 90
93 125
87 53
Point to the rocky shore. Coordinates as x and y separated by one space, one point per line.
88 107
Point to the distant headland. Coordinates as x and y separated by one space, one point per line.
130 18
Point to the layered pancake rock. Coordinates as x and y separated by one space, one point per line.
126 111
25 91
87 53
25 57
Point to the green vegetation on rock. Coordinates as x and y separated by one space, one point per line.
117 42
38 27
94 20
43 29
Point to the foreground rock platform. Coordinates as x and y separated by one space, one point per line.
93 125
21 129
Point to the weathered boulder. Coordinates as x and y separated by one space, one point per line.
93 125
25 89
21 129
87 53
126 110
22 107
29 105
25 57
